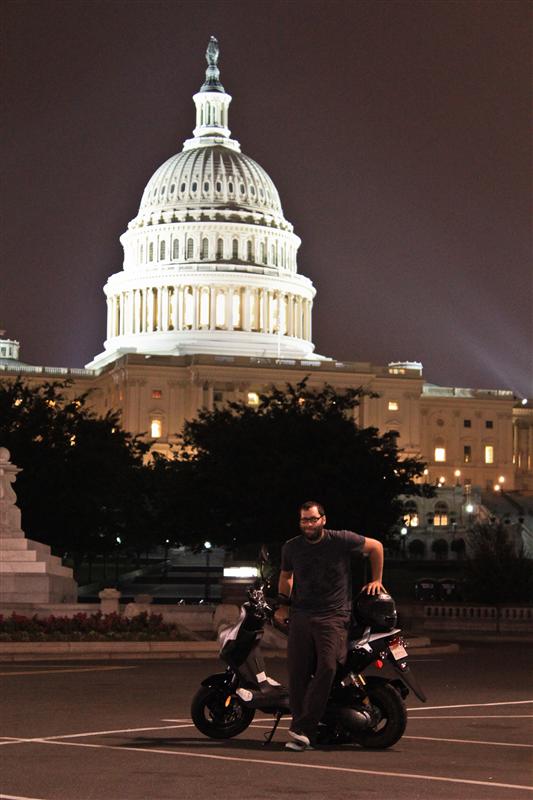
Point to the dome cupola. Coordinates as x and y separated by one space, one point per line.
209 260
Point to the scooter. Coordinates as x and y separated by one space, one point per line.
366 707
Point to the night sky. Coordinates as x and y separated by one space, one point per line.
397 133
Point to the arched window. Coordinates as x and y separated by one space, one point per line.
440 517
273 255
235 248
263 253
175 249
151 251
410 514
220 249
141 256
162 250
204 254
190 248
249 253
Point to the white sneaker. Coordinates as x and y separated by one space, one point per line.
300 737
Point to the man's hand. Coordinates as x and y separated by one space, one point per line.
374 587
281 615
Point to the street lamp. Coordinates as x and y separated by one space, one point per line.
207 550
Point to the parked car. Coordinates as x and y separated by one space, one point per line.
427 589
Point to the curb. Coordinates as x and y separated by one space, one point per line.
112 651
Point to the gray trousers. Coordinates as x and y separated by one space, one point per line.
317 644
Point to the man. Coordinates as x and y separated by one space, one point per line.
315 581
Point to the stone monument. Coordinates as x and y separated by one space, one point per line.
29 573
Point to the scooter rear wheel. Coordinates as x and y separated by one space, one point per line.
218 714
392 718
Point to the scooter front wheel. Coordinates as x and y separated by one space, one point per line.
218 714
391 714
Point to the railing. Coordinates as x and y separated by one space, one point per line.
499 619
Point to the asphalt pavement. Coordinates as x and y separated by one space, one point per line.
94 731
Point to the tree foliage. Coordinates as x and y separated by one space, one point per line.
496 568
81 474
245 470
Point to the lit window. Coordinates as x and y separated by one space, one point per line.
156 394
440 518
440 454
489 454
253 399
467 454
393 405
156 428
410 514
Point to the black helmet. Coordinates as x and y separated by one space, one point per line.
376 610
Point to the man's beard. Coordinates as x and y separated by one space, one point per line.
315 536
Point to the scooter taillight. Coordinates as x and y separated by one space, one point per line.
378 663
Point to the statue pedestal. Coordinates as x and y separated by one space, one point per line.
29 573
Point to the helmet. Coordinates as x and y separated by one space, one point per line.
376 610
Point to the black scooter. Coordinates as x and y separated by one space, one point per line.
366 705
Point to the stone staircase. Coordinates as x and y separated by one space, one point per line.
29 573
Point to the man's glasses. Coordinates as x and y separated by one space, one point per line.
310 520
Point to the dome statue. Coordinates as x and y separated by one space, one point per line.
209 260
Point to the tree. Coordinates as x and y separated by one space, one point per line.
246 469
78 470
496 568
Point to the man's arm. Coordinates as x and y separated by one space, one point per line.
374 550
284 588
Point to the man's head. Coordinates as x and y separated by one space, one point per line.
312 520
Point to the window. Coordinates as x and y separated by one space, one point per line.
156 394
156 428
489 454
220 249
205 249
151 251
440 454
190 248
467 454
440 518
393 405
235 249
467 423
218 397
489 423
162 250
410 514
249 254
253 399
175 248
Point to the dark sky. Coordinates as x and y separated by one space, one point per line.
398 135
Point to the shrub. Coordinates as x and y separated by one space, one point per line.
92 627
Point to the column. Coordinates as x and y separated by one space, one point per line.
149 309
164 308
229 309
212 308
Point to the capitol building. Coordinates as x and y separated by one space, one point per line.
210 306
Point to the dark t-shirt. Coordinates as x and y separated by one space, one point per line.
322 571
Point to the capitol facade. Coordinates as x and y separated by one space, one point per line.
209 307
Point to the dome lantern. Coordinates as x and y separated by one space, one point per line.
212 105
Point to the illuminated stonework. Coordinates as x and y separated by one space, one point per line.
209 260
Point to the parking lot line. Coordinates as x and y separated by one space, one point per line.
471 705
465 741
18 797
65 669
293 765
474 716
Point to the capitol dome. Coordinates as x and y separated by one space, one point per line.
209 260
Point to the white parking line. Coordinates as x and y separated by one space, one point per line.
18 797
475 716
296 765
64 669
464 741
471 705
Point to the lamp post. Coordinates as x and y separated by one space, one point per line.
207 550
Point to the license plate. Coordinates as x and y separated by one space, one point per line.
398 651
